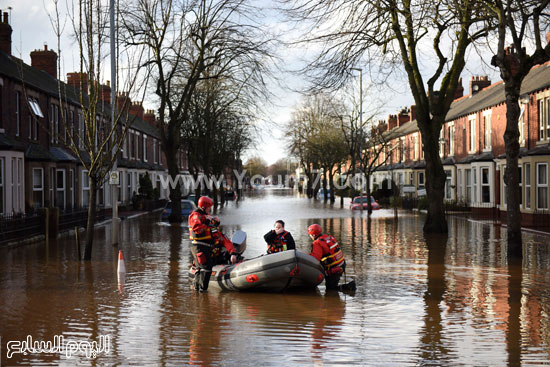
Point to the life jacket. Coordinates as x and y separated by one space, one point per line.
200 227
335 256
280 244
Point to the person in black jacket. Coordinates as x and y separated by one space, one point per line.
278 239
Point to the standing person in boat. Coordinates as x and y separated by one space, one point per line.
207 242
326 249
278 239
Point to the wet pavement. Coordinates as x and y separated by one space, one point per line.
437 300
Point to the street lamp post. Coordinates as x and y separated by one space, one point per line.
360 123
114 187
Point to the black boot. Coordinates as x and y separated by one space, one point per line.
204 279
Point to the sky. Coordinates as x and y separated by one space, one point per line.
32 29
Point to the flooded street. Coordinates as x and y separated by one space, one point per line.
438 300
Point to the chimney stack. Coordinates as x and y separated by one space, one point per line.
136 109
5 34
105 92
392 121
477 83
45 60
74 80
149 116
413 112
459 89
403 117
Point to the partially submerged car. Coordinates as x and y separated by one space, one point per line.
359 201
187 207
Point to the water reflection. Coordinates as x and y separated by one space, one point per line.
421 300
432 342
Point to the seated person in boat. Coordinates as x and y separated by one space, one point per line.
326 249
278 239
207 242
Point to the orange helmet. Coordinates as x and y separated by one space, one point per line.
205 202
314 230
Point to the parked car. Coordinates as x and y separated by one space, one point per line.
358 200
187 207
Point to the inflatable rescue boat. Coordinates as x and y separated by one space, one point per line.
277 272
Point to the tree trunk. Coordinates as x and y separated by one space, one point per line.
511 175
435 181
175 192
91 220
331 186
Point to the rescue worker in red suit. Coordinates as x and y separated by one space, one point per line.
207 242
278 239
326 249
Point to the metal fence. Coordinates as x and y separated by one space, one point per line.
20 226
70 218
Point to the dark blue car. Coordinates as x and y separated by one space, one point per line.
187 207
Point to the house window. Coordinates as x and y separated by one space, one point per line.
415 142
474 184
60 188
160 154
35 107
420 179
30 127
85 189
487 127
19 203
448 184
155 160
521 124
71 189
12 186
542 186
144 147
17 113
441 143
38 187
51 188
527 185
131 143
468 185
125 146
472 121
485 188
544 124
129 185
136 142
1 185
451 139
459 184
520 187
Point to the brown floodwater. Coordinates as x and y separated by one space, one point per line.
453 300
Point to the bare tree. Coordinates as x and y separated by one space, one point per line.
389 32
525 23
317 139
378 148
98 138
184 40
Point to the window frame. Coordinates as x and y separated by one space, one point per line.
527 173
41 189
539 185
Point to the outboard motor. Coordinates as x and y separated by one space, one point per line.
239 241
